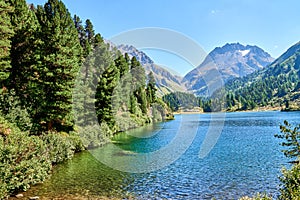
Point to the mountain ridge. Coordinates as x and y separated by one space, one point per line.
231 60
165 80
277 85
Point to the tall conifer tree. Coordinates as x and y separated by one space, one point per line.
151 89
60 60
90 33
24 76
6 32
107 76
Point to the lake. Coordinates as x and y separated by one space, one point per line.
246 159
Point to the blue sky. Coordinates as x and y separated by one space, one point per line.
270 24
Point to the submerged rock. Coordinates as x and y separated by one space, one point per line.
34 198
124 153
19 196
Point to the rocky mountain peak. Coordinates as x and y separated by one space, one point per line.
231 60
165 80
132 51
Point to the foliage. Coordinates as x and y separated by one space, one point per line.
290 183
258 196
291 135
23 160
17 114
93 136
60 57
24 74
179 100
59 146
290 179
26 159
76 140
6 32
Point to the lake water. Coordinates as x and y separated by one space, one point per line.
245 160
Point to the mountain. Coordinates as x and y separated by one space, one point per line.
165 80
231 60
277 85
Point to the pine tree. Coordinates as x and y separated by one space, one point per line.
89 30
138 74
151 89
139 81
60 59
108 81
133 104
82 36
24 74
84 94
142 99
122 64
93 56
126 56
6 31
98 79
98 40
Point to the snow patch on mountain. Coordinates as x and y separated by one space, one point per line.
244 52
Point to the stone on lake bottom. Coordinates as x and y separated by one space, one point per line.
19 196
34 198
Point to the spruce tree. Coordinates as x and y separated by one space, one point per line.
60 60
6 32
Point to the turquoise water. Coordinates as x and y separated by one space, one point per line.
245 160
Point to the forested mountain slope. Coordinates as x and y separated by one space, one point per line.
275 86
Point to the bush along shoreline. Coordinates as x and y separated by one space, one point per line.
27 159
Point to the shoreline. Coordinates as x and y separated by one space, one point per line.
234 111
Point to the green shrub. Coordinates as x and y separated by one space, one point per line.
93 136
76 141
20 117
3 190
14 113
290 179
27 159
290 183
23 161
258 196
291 136
60 146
